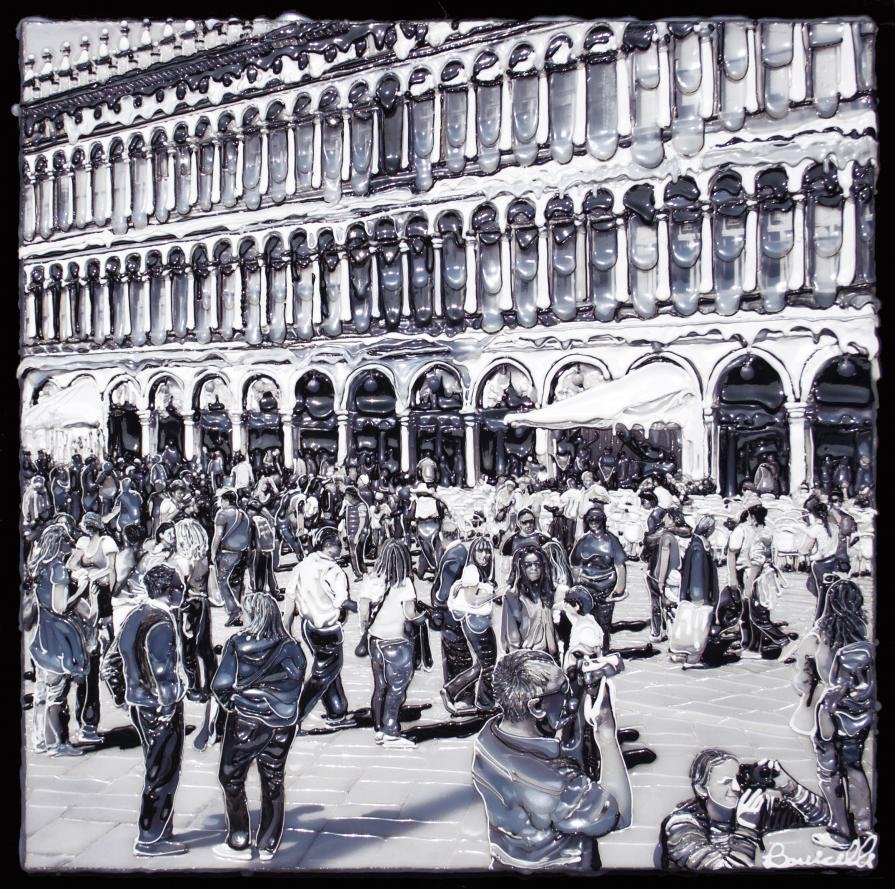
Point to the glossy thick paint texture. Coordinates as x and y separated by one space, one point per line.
405 232
521 215
303 281
421 263
361 140
330 283
685 243
453 268
390 269
728 240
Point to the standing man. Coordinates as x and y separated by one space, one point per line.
229 552
154 688
456 658
427 471
243 477
570 501
127 512
356 516
544 810
317 594
663 555
261 551
598 562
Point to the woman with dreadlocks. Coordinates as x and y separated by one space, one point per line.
387 611
528 604
59 649
836 679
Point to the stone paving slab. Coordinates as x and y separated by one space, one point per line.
355 806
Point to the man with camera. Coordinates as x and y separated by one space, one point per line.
544 811
735 805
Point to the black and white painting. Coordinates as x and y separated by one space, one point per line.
448 446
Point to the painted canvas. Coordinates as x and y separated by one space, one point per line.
448 446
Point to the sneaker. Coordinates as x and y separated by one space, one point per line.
830 840
235 620
158 848
65 750
88 735
340 722
750 655
223 850
266 854
378 736
397 741
39 746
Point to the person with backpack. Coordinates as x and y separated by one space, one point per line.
258 683
262 548
387 610
144 671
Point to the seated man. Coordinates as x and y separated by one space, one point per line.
734 807
543 809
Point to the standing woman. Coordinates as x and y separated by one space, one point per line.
528 604
59 649
835 677
387 611
699 586
821 551
258 683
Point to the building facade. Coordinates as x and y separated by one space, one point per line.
373 240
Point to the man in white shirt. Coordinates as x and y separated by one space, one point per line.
570 500
243 477
317 593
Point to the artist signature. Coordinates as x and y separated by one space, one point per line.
861 854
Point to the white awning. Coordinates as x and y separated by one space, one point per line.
659 392
77 405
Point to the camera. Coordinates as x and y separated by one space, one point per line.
596 669
756 775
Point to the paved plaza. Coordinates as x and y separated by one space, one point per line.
354 805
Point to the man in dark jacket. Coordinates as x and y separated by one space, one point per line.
455 656
258 683
154 689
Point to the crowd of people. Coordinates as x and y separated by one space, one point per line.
522 596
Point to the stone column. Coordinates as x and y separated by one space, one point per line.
404 420
146 447
469 429
189 438
288 442
342 446
236 434
798 451
713 460
542 446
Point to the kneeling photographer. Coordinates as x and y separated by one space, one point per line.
735 806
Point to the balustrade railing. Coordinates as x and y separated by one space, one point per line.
757 238
576 90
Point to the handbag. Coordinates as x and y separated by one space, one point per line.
214 590
690 629
804 719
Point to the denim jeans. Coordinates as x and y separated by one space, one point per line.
161 736
247 741
392 661
323 682
231 569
